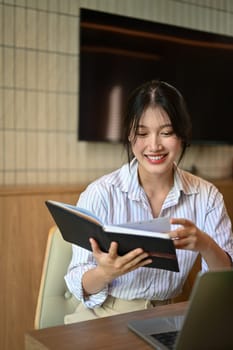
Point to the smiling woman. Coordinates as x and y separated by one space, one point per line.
156 133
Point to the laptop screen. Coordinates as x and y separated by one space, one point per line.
207 323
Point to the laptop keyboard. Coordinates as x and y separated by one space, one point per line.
167 338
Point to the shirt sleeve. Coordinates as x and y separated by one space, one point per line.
218 224
82 259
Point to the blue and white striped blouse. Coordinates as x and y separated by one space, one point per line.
118 198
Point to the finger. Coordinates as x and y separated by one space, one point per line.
133 254
177 234
180 221
139 261
113 250
131 260
94 246
184 243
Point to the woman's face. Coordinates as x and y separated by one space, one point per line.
155 145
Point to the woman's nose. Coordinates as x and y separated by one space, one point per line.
155 142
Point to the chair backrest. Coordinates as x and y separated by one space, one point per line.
54 300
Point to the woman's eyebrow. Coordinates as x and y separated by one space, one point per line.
166 125
161 126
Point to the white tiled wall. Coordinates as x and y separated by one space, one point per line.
39 61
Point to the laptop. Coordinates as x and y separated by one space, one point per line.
207 323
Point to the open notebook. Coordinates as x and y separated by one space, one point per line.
207 323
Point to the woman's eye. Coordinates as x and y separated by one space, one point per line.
141 133
167 133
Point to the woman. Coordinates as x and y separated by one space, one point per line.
156 133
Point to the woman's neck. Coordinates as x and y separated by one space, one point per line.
156 189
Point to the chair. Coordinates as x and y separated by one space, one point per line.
54 300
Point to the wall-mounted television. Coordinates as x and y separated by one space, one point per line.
117 53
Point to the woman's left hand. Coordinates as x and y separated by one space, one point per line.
188 235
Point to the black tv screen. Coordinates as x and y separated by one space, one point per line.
117 53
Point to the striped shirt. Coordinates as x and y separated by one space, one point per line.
118 198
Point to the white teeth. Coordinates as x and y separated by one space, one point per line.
155 157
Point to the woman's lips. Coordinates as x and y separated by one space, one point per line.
156 159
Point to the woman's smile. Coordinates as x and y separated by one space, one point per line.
156 159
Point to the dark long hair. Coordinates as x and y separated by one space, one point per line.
151 94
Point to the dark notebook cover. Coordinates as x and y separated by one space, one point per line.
77 228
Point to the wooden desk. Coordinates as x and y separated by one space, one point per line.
105 333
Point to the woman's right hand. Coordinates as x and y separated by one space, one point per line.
110 266
114 265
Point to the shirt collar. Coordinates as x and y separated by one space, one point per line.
135 191
128 181
184 181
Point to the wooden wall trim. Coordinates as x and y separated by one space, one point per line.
40 189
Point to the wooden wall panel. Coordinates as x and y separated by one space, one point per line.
25 222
